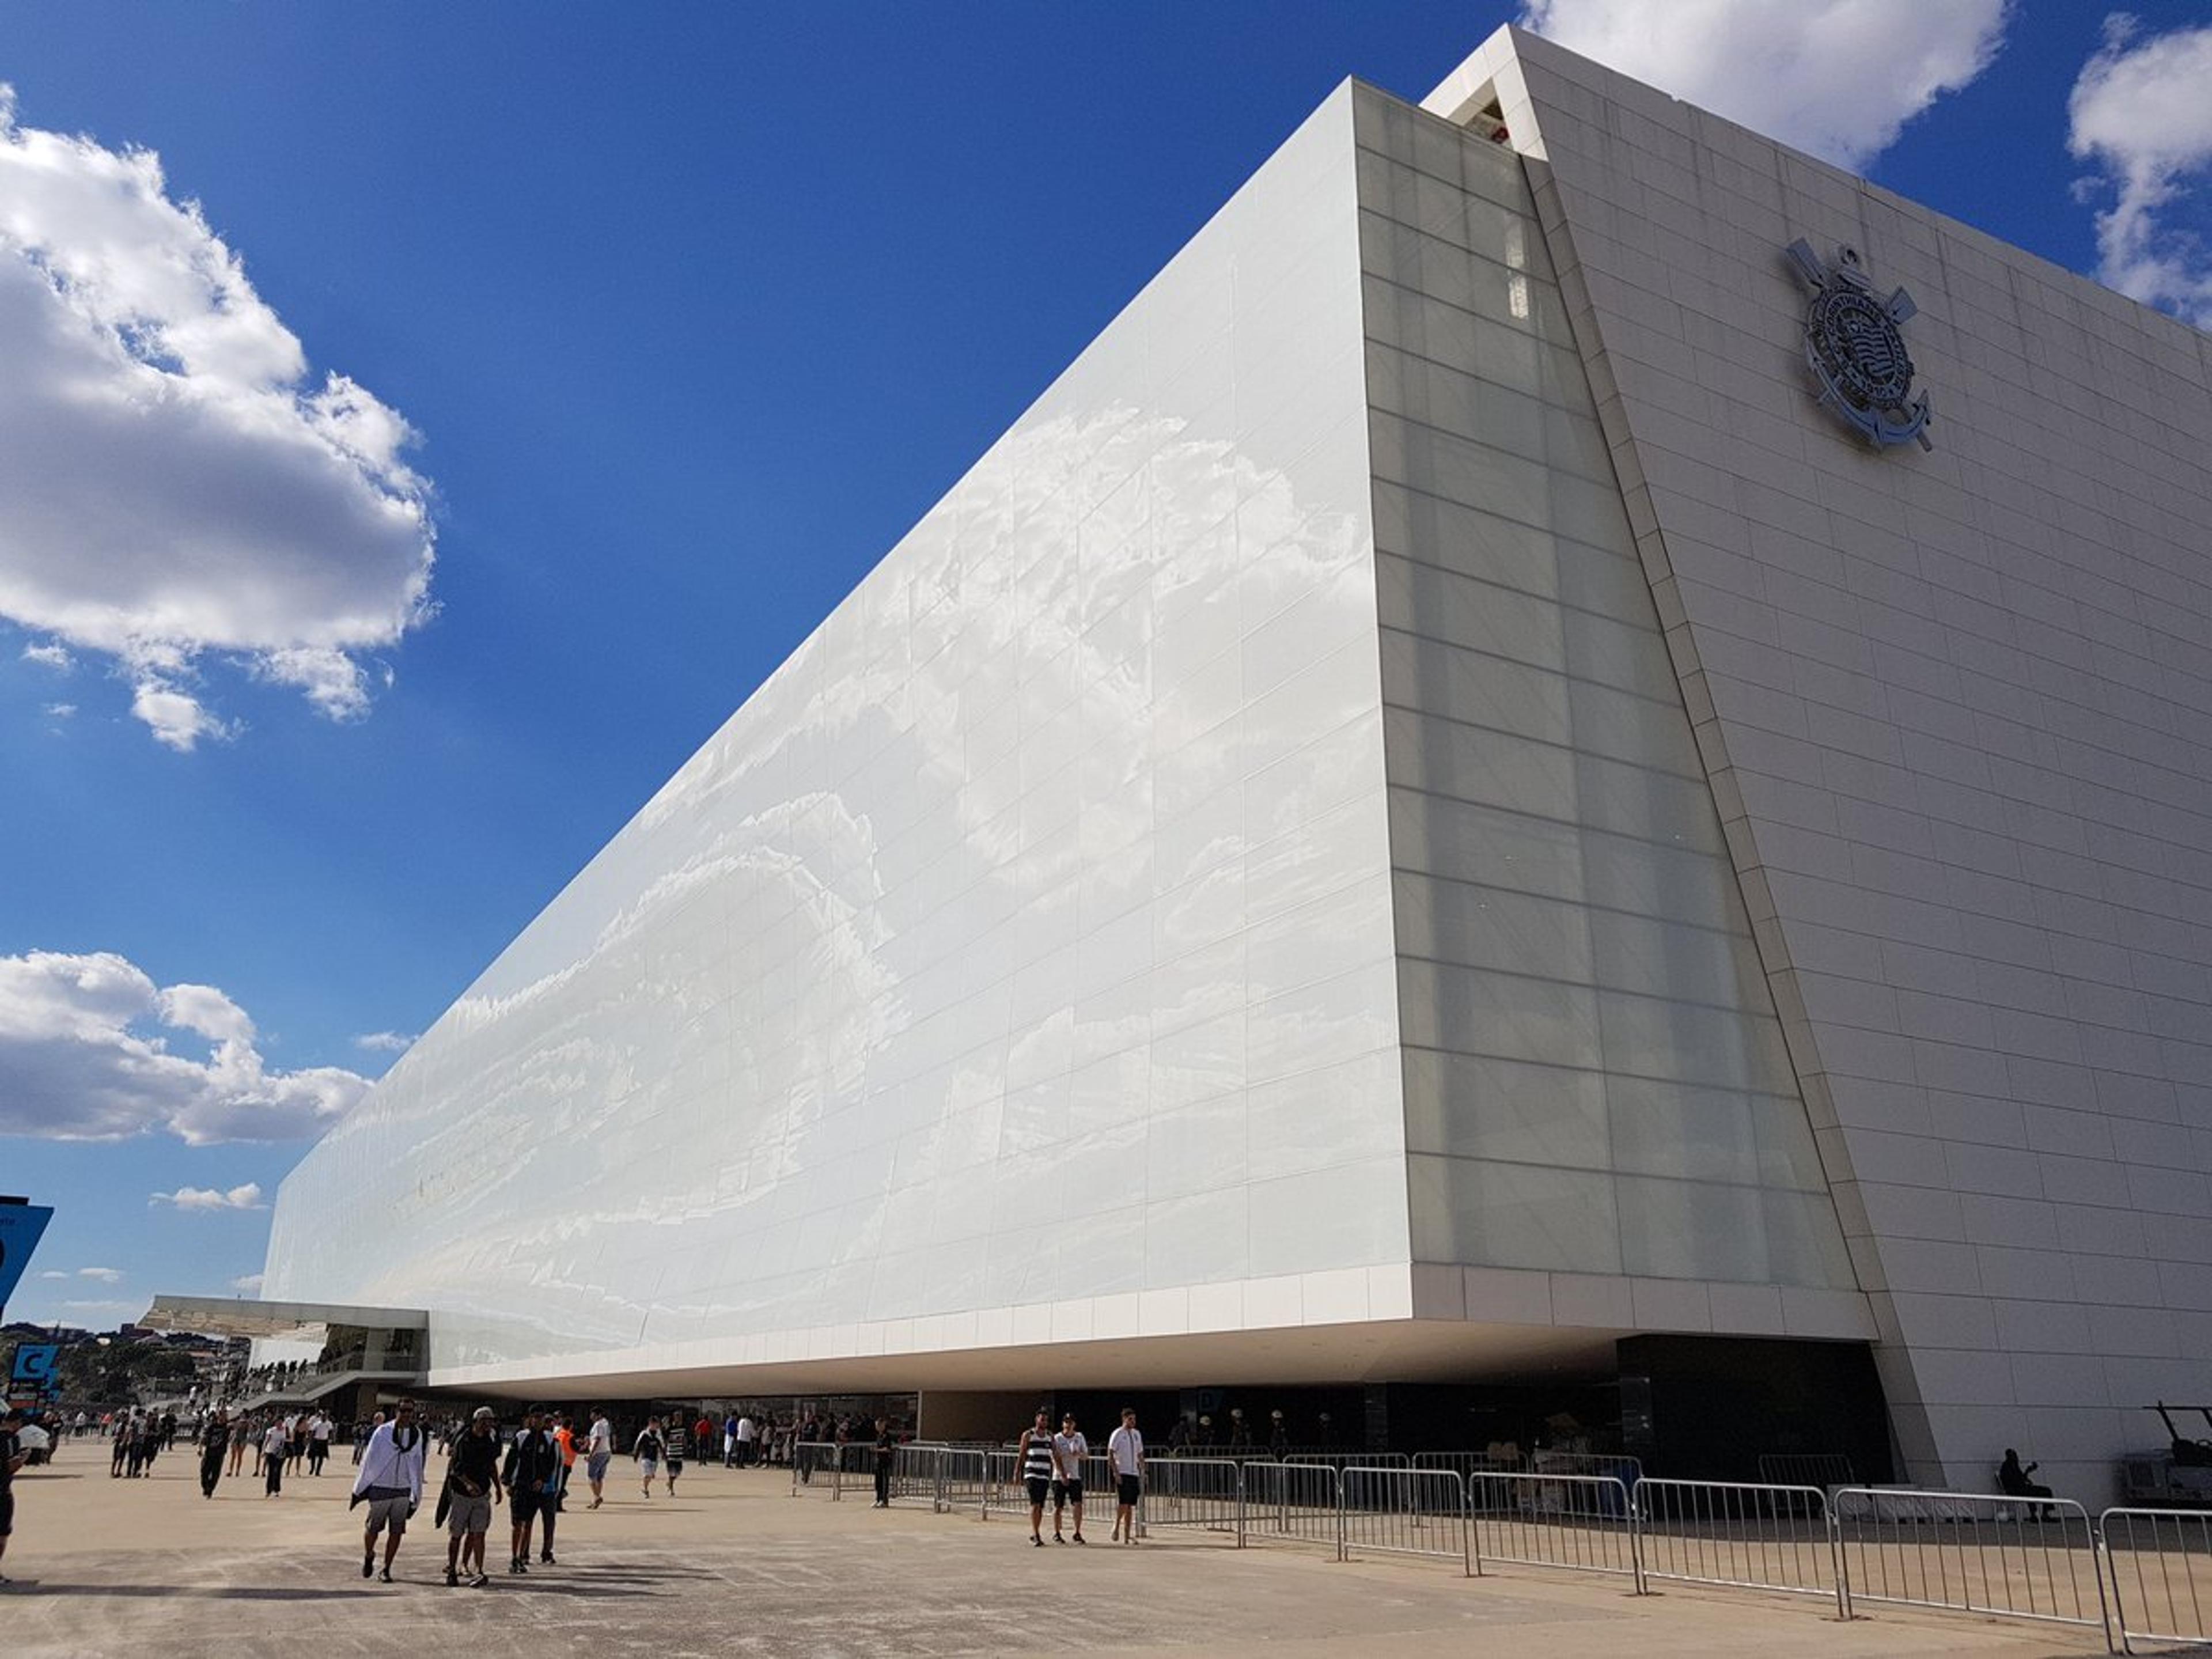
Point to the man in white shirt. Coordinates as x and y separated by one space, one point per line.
1069 1449
598 1448
1125 1456
746 1435
391 1484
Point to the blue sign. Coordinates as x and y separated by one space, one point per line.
20 1224
33 1369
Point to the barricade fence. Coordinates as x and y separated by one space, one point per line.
1743 1537
1293 1503
1971 1552
2141 1576
1582 1523
2160 1561
1404 1511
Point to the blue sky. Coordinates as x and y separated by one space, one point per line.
693 310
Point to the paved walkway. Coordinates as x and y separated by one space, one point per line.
735 1565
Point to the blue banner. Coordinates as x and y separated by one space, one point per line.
20 1226
34 1370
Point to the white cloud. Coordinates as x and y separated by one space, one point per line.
178 487
106 1307
1837 77
104 1275
247 1284
53 1272
86 1054
387 1042
2141 112
50 655
61 711
247 1197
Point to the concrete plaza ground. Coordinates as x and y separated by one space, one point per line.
734 1565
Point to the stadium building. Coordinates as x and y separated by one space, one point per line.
1571 764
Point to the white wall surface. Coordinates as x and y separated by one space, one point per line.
1953 707
1596 1084
1017 964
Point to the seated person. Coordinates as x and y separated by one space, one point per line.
2012 1481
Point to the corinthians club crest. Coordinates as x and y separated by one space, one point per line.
1856 351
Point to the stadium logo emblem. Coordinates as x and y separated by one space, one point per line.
1855 350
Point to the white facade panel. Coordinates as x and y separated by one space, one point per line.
1952 706
1020 954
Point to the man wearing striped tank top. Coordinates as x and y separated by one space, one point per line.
1033 1452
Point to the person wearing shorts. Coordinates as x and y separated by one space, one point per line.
1069 1449
533 1477
647 1452
1125 1456
390 1483
1033 1452
472 1493
599 1452
678 1439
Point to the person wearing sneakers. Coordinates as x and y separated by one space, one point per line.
647 1451
1033 1453
472 1495
599 1451
390 1483
533 1477
1069 1449
1125 1456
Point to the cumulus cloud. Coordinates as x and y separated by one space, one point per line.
246 1284
2140 114
89 1051
104 1275
180 488
50 655
1839 78
61 711
247 1197
384 1042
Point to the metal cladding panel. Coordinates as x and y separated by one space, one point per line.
1018 957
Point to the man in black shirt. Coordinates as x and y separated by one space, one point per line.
11 1459
472 1489
533 1486
886 1452
215 1442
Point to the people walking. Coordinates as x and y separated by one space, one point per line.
599 1452
678 1439
215 1441
241 1435
1125 1456
119 1446
532 1475
647 1451
1069 1449
747 1432
318 1442
1033 1452
12 1457
274 1440
472 1493
391 1484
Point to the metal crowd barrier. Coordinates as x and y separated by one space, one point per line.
2161 1566
1969 1552
1204 1493
1581 1521
1827 1470
1404 1511
808 1457
1293 1503
1744 1537
1468 1465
